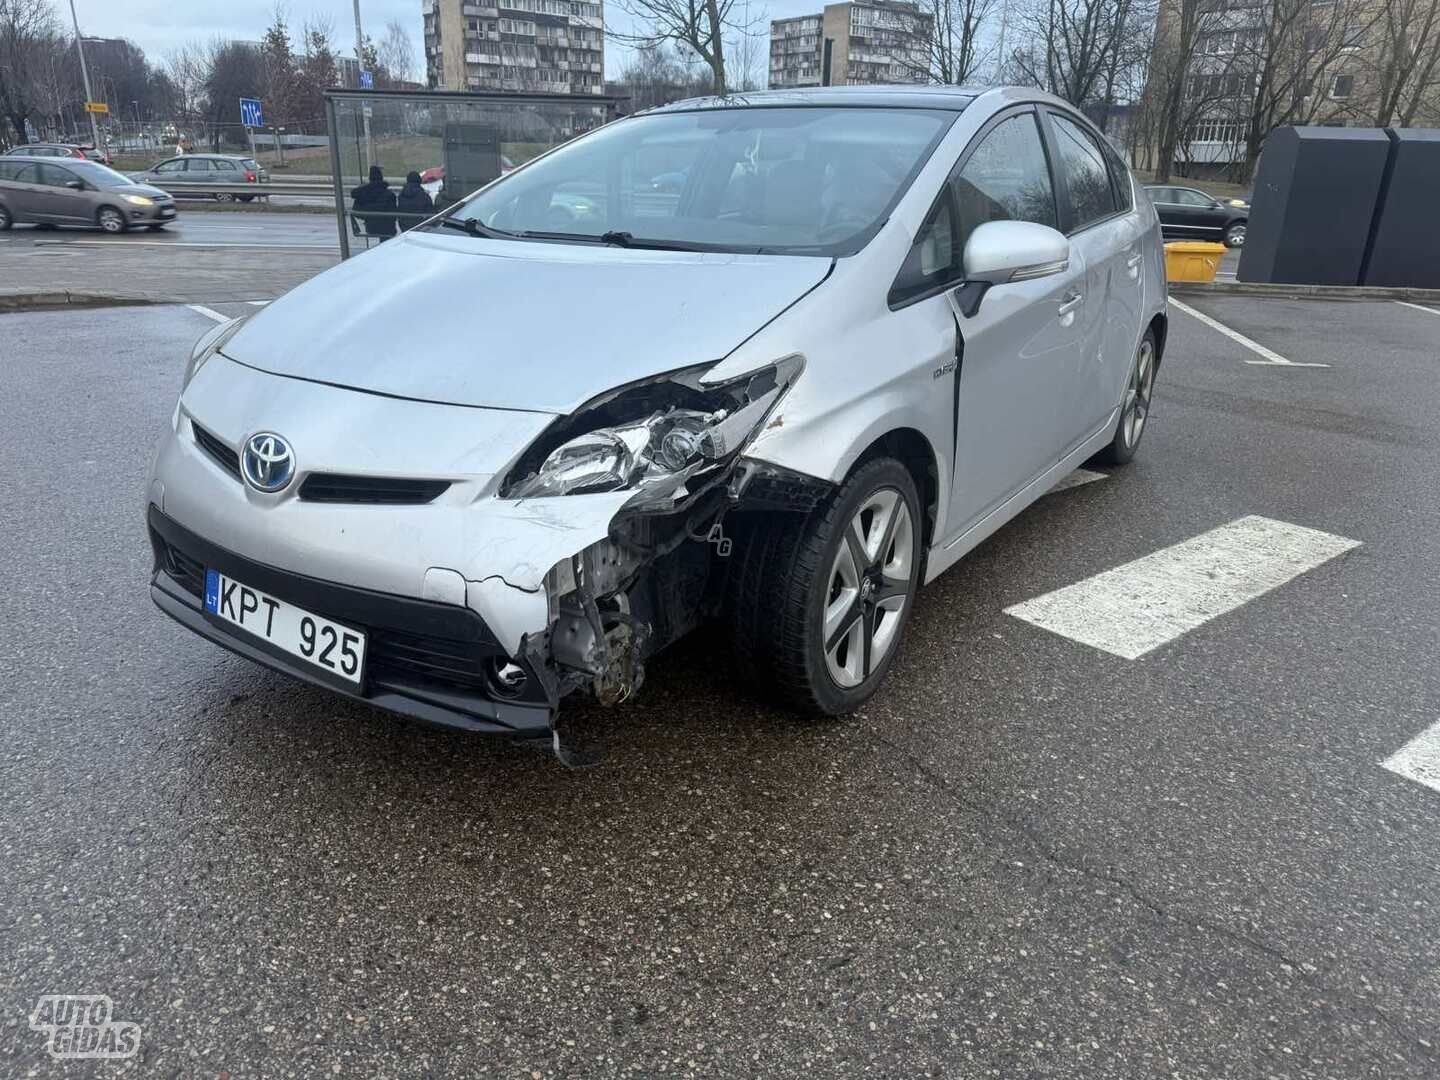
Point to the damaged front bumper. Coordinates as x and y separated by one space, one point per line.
483 612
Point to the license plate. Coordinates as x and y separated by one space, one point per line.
167 211
335 649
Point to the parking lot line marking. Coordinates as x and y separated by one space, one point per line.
1269 355
209 313
1418 307
1139 606
1076 478
1419 759
257 303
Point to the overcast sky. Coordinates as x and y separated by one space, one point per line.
160 25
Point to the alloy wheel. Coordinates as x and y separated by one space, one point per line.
868 588
110 220
1137 395
1235 237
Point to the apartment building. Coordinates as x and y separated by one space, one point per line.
525 46
876 41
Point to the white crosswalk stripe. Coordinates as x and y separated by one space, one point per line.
1419 759
209 313
1135 608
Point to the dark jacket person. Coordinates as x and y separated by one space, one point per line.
376 198
414 200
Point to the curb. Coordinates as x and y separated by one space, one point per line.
1304 292
58 298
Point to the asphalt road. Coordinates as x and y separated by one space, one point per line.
239 228
1027 856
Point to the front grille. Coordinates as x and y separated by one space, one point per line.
395 657
338 488
226 457
408 658
185 570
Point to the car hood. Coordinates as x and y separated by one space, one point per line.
514 324
148 190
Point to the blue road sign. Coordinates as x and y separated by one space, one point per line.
367 80
251 114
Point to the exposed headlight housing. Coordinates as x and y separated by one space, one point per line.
139 200
653 437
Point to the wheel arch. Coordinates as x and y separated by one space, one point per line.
913 450
1160 327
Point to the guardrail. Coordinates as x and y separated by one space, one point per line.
272 188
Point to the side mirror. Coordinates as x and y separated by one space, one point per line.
75 185
999 252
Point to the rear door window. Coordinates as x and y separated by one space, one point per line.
55 175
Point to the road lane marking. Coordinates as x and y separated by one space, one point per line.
1139 606
1270 357
209 313
1419 759
1076 478
1417 307
184 244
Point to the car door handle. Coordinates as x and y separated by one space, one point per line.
1069 304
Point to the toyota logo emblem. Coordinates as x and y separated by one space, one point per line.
267 463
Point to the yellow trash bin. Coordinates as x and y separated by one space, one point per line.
1192 261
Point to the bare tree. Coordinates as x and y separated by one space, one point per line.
27 29
655 75
396 52
700 26
1292 61
951 44
1074 48
1406 66
188 69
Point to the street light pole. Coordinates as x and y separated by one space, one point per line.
85 76
360 68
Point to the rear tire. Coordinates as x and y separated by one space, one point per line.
1235 235
1134 406
246 198
111 220
5 219
818 603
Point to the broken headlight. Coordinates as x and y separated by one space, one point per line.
653 437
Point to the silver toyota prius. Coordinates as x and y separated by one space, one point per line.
776 360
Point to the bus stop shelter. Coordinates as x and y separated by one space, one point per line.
457 141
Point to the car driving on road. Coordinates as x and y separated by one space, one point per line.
872 326
69 191
194 171
1190 214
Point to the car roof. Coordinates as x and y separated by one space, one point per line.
904 96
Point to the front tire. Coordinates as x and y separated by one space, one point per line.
5 219
224 196
111 220
820 602
1134 406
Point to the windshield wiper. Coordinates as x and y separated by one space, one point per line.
471 227
615 238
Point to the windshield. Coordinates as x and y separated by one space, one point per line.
100 175
783 180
